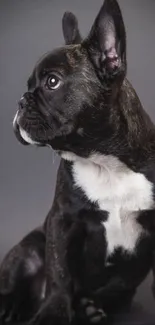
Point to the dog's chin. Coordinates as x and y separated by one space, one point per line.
22 136
16 129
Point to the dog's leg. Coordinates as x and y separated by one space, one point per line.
57 308
22 279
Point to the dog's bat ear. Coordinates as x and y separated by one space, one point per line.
70 29
106 42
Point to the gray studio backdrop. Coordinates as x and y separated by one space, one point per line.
28 29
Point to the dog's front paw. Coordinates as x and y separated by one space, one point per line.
55 311
93 314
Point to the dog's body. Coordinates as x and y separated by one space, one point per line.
98 241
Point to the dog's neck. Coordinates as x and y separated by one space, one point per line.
139 126
131 138
108 162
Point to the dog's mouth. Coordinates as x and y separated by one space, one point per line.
21 135
18 131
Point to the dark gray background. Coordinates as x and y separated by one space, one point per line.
28 29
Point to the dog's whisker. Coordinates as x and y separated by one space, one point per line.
54 156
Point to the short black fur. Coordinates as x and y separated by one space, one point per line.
79 102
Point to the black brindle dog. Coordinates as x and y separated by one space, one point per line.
98 241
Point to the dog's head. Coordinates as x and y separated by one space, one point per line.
72 89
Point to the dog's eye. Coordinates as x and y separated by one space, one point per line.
53 82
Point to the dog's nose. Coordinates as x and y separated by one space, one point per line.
22 102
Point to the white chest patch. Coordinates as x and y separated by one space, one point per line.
117 190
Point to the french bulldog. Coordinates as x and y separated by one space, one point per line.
97 243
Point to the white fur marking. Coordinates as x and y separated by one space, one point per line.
23 133
15 118
68 156
117 190
26 136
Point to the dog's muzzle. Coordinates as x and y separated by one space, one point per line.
17 130
22 136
